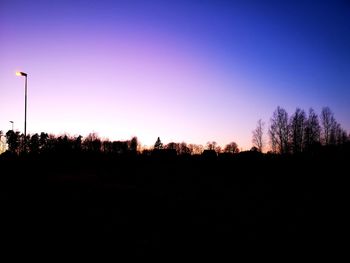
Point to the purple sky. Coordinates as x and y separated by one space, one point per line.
193 71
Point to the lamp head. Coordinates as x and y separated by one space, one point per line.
18 73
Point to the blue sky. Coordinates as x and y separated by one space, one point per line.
193 71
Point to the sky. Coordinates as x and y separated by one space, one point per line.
193 71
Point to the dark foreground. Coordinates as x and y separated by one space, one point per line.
176 204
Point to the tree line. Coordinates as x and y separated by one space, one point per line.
44 143
300 132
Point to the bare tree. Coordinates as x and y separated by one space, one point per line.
191 147
218 149
232 147
196 148
312 130
171 146
279 131
107 146
344 137
338 134
211 145
92 143
184 149
258 133
181 148
328 122
297 127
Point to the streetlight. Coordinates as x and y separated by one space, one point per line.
18 73
12 125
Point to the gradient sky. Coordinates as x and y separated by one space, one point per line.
193 71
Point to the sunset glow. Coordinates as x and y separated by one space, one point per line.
193 71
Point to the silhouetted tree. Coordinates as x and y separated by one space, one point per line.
196 148
62 144
312 131
52 143
133 144
297 127
158 145
258 133
120 147
211 145
13 141
107 146
173 146
232 147
92 143
338 135
184 150
254 149
218 149
43 142
344 137
191 148
34 144
78 143
279 131
335 130
328 122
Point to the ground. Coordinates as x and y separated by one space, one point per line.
154 204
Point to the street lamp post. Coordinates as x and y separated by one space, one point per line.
25 103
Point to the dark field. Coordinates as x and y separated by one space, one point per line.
171 204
